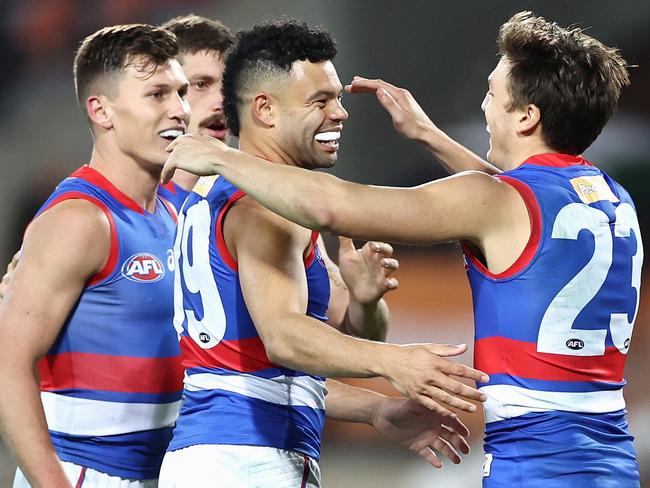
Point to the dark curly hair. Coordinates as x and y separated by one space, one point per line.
265 51
197 34
574 79
110 50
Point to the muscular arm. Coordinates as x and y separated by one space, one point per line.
356 305
269 251
469 206
62 249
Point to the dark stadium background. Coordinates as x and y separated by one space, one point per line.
443 52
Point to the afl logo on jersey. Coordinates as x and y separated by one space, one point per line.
143 267
575 344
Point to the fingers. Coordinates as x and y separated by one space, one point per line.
463 371
345 245
444 447
454 424
455 439
430 456
447 399
168 170
382 248
434 406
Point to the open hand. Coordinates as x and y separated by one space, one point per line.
421 430
367 271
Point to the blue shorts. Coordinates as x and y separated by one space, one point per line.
560 450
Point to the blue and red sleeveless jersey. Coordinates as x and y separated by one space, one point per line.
553 330
233 393
174 194
111 384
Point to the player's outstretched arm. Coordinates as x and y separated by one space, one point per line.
413 123
269 251
63 248
357 287
470 205
401 420
6 279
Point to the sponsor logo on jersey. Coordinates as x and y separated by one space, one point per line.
592 189
143 267
575 344
204 338
204 185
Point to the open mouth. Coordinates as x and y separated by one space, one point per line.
329 140
214 127
171 134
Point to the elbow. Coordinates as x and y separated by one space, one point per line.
324 219
279 351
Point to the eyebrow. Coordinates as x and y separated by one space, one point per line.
326 93
202 77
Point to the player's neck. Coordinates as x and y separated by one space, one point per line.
523 152
134 180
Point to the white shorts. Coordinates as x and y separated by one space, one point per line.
229 466
82 477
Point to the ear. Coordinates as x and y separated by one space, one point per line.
99 111
529 118
263 110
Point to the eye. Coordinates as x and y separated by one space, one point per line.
321 102
201 85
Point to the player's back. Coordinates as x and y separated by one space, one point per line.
234 395
553 331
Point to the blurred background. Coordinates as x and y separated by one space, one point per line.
442 52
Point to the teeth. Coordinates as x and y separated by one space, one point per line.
171 133
327 136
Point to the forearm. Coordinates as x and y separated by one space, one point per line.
305 344
367 320
350 404
24 429
454 156
285 190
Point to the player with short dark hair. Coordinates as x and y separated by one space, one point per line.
552 245
88 309
252 292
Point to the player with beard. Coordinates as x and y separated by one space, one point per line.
252 293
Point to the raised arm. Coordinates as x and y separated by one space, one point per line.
62 249
273 282
356 305
399 419
413 123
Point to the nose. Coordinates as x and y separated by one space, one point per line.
217 103
484 102
179 109
339 112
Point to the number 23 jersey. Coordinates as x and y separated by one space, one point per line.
554 329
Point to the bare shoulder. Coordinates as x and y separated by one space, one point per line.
250 221
73 233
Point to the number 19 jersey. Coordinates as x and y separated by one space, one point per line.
234 395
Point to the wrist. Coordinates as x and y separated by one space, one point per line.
383 360
432 138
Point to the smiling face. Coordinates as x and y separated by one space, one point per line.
501 121
310 119
204 70
148 111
